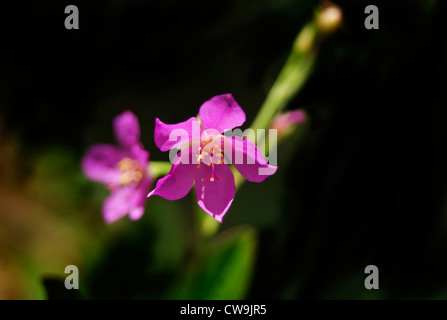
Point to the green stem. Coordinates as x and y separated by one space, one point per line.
289 82
159 168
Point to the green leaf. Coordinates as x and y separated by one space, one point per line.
223 269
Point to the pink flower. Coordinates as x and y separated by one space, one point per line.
284 122
122 168
205 154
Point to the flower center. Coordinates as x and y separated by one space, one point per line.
211 155
130 171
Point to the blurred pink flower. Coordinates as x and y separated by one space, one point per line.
285 121
122 168
204 156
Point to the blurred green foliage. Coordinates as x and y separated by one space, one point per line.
221 271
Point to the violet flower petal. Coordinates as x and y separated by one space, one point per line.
184 136
177 183
136 213
141 155
215 197
221 113
120 202
127 129
248 159
100 164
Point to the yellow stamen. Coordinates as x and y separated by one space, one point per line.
131 171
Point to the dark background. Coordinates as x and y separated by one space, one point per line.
365 184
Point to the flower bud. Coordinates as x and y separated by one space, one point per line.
285 122
329 18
